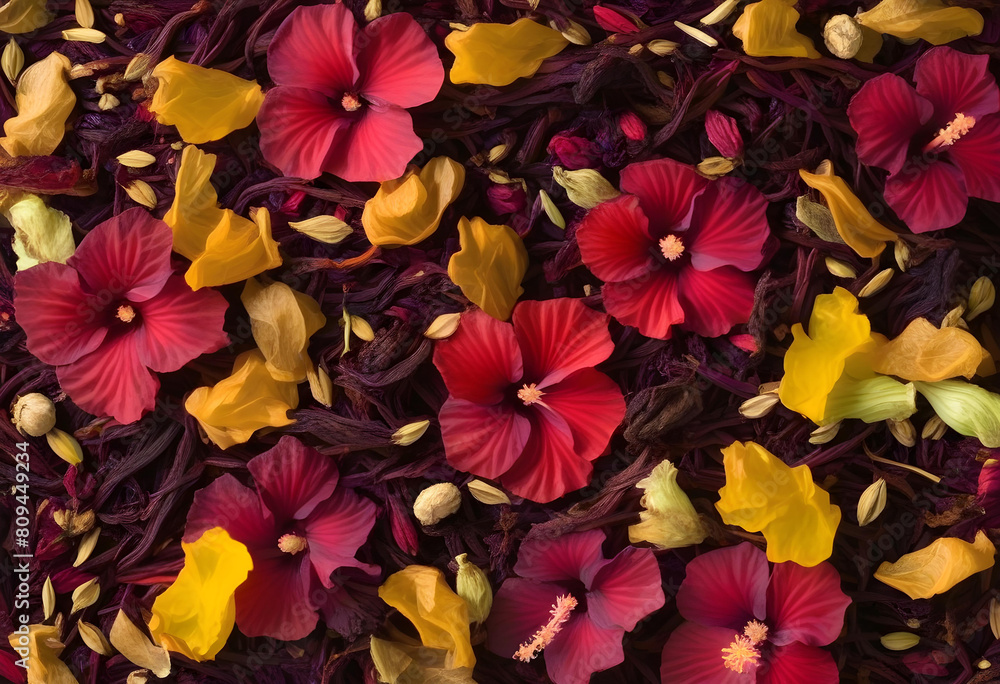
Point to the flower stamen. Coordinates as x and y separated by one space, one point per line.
560 614
671 247
530 394
743 652
125 313
955 129
350 102
292 543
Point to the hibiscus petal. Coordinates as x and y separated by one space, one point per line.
805 604
614 240
728 227
714 301
928 197
796 663
298 128
582 648
569 557
61 321
693 655
400 65
481 360
335 530
626 589
377 147
977 154
313 48
886 113
520 608
558 337
725 588
293 478
956 82
111 381
666 190
274 600
228 504
592 405
179 325
549 466
649 303
482 440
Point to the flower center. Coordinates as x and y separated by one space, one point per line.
350 102
560 614
125 313
292 543
672 247
743 653
530 394
958 127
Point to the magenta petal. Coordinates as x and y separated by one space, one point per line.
520 608
649 303
582 648
481 360
614 240
725 588
956 83
482 440
111 381
313 48
558 337
400 65
592 405
570 557
693 655
179 325
274 600
714 301
228 504
335 530
928 197
886 113
805 604
666 190
549 466
797 663
626 589
61 321
126 256
728 227
297 130
977 154
293 478
377 146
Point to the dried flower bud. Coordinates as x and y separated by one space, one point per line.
94 638
408 434
666 79
903 431
327 229
632 126
436 503
74 523
995 617
136 159
899 641
120 19
876 284
585 187
497 153
83 35
843 36
759 406
902 253
984 664
872 502
769 387
839 268
697 34
362 329
934 429
141 193
574 32
982 297
826 433
373 9
33 414
138 67
443 326
551 210
719 13
473 585
86 595
668 519
84 14
320 385
952 318
12 60
65 446
635 49
487 493
108 102
662 48
714 167
87 546
139 676
48 598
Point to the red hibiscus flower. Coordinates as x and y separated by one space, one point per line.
574 603
940 142
674 251
299 527
113 313
746 624
340 105
526 405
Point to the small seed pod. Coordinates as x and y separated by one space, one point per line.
436 503
33 414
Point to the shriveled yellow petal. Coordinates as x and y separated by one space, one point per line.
763 494
204 104
767 29
938 567
401 659
408 210
854 222
39 645
489 266
668 519
282 321
441 616
41 233
23 16
928 353
249 399
44 101
195 211
132 643
197 613
930 20
499 54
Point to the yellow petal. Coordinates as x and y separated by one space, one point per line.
408 210
763 494
195 211
938 567
871 399
928 353
23 16
282 321
41 233
767 29
204 104
40 647
441 616
931 20
44 101
668 519
489 266
499 54
196 614
400 659
854 222
249 399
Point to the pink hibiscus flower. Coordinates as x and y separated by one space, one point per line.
674 251
342 95
115 312
526 405
747 624
940 142
299 527
574 603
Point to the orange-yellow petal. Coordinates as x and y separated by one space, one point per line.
927 353
767 29
489 266
23 16
499 54
930 20
938 567
43 101
40 647
282 321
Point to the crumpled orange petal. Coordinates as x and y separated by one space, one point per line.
927 353
930 20
44 101
499 54
282 321
204 104
767 29
23 16
938 567
41 647
489 266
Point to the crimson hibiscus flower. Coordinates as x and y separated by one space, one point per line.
526 405
940 142
748 624
574 603
342 95
113 313
675 250
299 528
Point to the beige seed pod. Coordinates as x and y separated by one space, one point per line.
901 251
12 60
714 167
719 13
497 153
138 677
953 318
635 49
825 433
33 414
136 159
141 193
840 268
408 434
487 493
759 406
877 283
320 385
327 229
65 446
574 32
585 188
981 298
899 641
697 34
108 102
934 429
872 502
995 617
86 595
443 326
473 585
662 47
83 35
94 638
137 648
48 598
436 503
551 210
87 546
362 329
843 36
84 14
138 67
373 9
903 431
665 79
